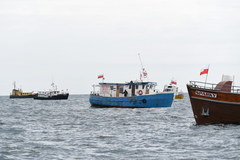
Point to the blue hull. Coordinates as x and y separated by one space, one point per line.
145 101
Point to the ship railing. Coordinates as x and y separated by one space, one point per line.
212 86
96 93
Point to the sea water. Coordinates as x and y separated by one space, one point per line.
72 129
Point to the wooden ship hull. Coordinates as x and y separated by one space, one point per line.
214 105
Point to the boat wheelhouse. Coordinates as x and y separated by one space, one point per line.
125 89
173 88
170 88
129 95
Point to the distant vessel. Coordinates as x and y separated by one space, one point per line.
179 95
172 87
215 103
137 94
52 94
18 93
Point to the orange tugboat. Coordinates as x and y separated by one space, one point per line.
215 103
18 93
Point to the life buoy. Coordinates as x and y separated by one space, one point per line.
140 92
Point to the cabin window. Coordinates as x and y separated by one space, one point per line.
130 86
136 86
143 86
111 87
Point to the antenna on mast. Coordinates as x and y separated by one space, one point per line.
14 84
143 73
140 61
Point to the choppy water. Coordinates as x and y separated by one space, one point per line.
32 129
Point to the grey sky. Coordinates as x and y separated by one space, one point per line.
72 41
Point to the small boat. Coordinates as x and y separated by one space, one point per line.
179 95
52 94
130 95
215 103
172 87
18 93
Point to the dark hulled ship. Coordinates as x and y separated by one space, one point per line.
52 94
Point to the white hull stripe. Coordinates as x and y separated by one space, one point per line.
216 101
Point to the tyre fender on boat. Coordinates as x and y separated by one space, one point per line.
144 101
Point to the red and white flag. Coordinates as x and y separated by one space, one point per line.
204 70
100 76
174 82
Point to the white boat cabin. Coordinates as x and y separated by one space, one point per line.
171 88
52 92
125 89
49 93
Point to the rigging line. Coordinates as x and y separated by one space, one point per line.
140 61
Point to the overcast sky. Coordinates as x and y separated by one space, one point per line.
70 42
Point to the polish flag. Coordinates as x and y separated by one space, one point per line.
174 82
100 76
204 70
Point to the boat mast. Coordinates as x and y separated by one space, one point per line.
14 84
143 73
206 77
140 61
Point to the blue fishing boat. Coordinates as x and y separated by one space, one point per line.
130 95
137 94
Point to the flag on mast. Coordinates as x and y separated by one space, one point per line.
100 76
204 70
173 82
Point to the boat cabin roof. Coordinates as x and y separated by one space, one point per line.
224 86
130 83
